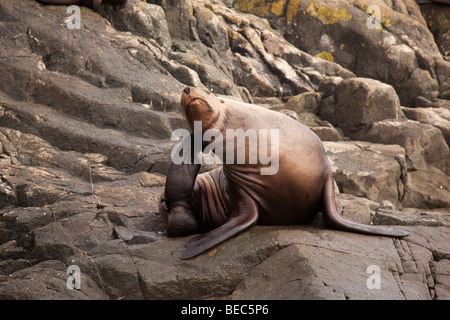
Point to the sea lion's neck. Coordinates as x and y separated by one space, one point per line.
220 121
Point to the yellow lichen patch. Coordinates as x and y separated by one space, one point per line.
210 7
325 55
231 34
234 20
277 8
384 20
291 10
141 5
258 7
378 14
363 5
328 14
207 14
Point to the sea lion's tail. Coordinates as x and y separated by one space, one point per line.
334 220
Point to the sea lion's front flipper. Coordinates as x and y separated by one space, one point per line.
244 213
181 176
175 205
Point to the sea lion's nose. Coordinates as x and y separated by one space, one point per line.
187 90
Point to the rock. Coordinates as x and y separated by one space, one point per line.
304 102
30 150
246 74
264 61
278 66
412 217
356 209
292 114
46 280
39 186
140 18
427 189
48 50
438 117
7 195
136 236
402 46
361 102
304 108
299 265
424 144
113 269
328 133
353 104
76 234
363 171
10 250
440 103
272 278
212 30
212 77
126 152
419 85
328 86
436 17
442 271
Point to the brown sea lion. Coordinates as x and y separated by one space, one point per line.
94 4
230 199
422 2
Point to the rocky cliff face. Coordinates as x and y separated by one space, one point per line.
86 117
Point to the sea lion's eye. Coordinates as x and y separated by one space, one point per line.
221 101
208 107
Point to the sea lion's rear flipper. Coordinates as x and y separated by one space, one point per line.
244 213
334 220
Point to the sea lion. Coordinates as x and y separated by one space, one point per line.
423 2
232 198
94 4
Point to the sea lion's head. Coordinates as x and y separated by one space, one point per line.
200 105
179 220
